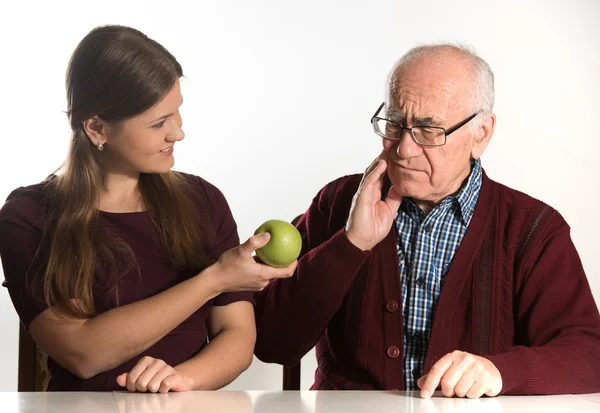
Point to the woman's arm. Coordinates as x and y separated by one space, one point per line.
228 354
89 347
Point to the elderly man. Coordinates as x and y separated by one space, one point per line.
425 273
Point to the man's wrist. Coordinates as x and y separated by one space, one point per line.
355 242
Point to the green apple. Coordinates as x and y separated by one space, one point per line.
284 246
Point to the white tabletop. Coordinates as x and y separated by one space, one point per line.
288 402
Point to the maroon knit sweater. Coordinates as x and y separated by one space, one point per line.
516 292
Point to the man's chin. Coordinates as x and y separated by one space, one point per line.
405 187
409 190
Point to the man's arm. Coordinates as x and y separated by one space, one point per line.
556 319
557 327
292 314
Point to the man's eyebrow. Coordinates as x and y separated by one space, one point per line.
165 116
399 116
426 121
396 115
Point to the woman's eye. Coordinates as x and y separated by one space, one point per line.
159 125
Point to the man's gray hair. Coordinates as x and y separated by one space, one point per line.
483 77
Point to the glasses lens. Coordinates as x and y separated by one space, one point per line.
427 135
387 129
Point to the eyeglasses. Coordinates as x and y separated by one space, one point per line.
422 135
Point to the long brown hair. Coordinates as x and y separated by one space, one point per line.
115 73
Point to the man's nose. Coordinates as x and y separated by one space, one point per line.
406 147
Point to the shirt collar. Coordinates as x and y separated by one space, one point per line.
468 194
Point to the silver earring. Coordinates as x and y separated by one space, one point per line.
100 146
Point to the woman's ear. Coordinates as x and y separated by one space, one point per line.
483 135
96 130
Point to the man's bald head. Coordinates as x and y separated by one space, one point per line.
455 64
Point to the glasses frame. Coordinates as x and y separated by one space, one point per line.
447 132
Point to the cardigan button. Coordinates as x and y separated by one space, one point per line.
391 306
392 352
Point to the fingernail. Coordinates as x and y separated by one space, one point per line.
425 394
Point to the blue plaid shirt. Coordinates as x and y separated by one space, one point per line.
426 246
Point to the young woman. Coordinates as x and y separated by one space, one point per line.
126 273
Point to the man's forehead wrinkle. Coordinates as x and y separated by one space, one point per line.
445 95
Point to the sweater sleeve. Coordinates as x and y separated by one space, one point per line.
292 313
556 322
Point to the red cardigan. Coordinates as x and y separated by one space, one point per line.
516 292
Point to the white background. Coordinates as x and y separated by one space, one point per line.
278 97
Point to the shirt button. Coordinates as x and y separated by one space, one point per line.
416 373
420 281
428 228
392 352
391 306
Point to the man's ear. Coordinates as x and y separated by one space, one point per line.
96 130
483 135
